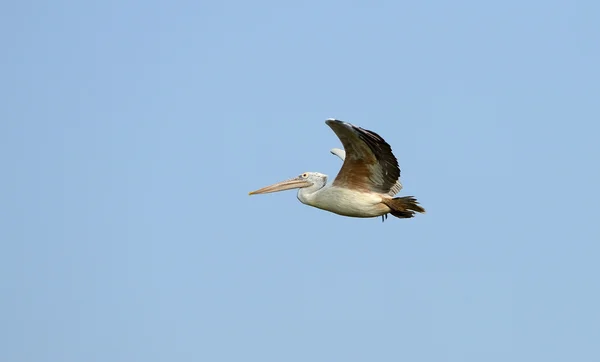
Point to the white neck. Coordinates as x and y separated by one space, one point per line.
307 194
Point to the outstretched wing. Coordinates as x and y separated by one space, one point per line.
342 155
370 164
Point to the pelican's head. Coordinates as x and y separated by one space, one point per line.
312 180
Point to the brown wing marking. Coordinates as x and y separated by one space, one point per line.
370 164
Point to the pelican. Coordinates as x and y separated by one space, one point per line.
365 185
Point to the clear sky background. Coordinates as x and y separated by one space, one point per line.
132 131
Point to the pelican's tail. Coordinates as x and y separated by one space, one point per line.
404 207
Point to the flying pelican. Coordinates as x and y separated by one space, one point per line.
365 185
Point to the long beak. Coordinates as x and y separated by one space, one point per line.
294 183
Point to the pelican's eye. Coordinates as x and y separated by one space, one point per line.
304 175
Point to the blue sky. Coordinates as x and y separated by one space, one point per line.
132 132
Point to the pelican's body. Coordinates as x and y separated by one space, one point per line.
344 201
364 187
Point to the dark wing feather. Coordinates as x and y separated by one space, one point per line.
370 164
